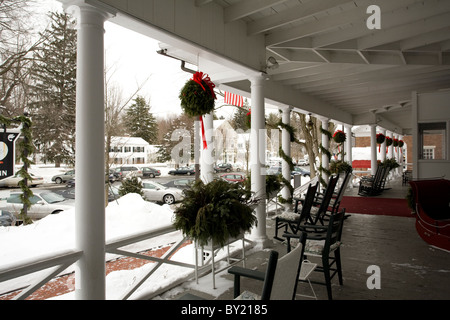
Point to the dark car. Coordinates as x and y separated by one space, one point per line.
122 172
180 183
303 172
183 170
223 167
7 219
150 172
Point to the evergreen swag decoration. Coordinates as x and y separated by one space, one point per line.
214 211
197 96
339 136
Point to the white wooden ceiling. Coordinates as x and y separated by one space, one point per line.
325 49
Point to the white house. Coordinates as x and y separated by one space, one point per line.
131 150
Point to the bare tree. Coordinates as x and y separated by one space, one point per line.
115 103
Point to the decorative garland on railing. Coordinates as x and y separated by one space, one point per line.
26 147
288 159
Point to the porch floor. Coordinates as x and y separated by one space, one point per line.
410 268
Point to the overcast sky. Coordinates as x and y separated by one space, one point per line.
133 58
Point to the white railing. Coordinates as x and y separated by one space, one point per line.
56 263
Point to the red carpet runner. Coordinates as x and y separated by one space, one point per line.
376 205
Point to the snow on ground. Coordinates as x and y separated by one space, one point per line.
127 216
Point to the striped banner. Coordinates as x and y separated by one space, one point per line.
233 99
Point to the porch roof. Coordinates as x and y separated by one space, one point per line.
328 61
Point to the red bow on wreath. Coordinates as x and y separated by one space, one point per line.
201 78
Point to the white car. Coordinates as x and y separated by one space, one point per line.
154 191
43 202
14 181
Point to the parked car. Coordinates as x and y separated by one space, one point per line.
150 172
302 162
14 181
183 170
180 183
303 172
44 202
154 191
233 177
63 177
124 171
223 167
273 171
7 219
69 193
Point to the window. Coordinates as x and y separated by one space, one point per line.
428 152
432 140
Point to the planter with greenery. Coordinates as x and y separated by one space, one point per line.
216 211
340 166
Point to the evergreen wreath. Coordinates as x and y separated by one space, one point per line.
380 138
388 141
401 143
395 142
339 136
197 96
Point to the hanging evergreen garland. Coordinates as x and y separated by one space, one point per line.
26 148
197 96
395 142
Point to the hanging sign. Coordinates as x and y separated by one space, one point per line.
7 153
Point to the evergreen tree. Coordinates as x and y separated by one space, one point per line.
182 124
131 185
239 120
140 122
54 75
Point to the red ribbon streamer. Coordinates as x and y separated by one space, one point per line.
201 77
205 145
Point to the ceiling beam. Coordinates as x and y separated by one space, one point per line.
245 8
287 16
358 14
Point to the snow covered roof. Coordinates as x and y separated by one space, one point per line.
128 141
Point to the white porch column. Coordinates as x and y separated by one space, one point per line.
207 161
348 144
373 148
257 159
286 147
326 145
90 148
383 147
